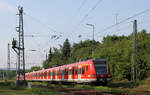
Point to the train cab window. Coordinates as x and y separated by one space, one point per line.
87 67
83 70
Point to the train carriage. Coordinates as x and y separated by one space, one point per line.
89 71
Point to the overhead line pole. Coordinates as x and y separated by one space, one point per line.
21 40
8 62
93 37
20 49
134 65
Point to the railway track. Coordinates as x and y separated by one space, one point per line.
75 91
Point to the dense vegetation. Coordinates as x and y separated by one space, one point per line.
118 50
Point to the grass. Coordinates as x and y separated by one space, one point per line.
9 88
124 87
44 91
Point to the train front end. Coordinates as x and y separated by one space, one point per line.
102 71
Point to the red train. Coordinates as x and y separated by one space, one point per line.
89 71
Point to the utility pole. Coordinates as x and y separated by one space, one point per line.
21 60
93 37
8 63
134 65
20 48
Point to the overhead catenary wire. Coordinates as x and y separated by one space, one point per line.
78 11
42 23
85 16
127 27
82 4
122 21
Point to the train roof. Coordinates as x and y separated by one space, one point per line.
71 65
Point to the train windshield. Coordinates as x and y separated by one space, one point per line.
100 67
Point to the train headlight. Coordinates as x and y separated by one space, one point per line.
91 75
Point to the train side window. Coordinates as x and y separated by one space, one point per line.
66 72
83 70
79 70
76 71
69 71
47 74
63 72
87 67
73 71
51 73
42 74
58 73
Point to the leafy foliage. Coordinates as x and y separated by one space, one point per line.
118 50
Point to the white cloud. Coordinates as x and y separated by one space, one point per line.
8 7
2 4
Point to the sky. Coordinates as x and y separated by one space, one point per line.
66 19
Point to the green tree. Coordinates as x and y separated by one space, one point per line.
66 50
35 68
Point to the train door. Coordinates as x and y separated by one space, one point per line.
83 72
56 76
63 74
41 75
79 73
87 71
73 73
45 74
66 74
60 74
51 74
36 75
70 73
76 73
